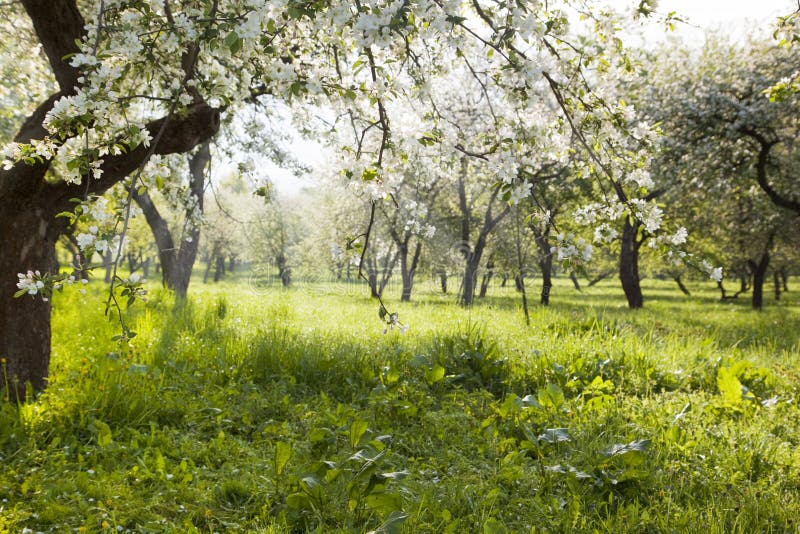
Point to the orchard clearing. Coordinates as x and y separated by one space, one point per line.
264 410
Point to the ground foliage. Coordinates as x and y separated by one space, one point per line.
291 411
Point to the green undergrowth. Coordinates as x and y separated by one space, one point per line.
293 412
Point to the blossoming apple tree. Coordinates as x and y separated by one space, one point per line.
133 79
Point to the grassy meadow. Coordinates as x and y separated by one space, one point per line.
252 409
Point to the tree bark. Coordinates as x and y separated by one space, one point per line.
759 270
546 266
629 264
407 271
443 281
29 238
487 277
177 262
776 279
219 268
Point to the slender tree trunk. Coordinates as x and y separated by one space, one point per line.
785 280
388 269
776 279
723 295
177 262
681 286
600 278
219 268
629 264
759 274
487 277
146 268
372 276
574 277
187 253
443 281
407 271
108 260
546 265
505 280
759 270
208 268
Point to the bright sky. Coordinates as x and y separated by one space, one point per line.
737 18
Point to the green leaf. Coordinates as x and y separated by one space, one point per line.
551 396
298 501
631 454
386 502
283 451
357 430
233 42
729 386
392 523
493 526
102 433
554 435
434 374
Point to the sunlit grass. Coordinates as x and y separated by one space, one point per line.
425 431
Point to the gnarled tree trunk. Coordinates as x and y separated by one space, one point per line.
29 202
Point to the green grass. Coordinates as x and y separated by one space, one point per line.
273 411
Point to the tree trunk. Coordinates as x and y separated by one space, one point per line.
219 268
759 274
575 283
407 272
208 269
372 278
776 279
629 264
546 265
177 262
681 286
108 261
599 278
785 280
187 253
505 280
389 261
469 282
443 281
25 321
146 267
487 277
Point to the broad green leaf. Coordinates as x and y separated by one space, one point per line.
729 386
493 526
551 396
283 451
385 502
434 374
357 430
392 524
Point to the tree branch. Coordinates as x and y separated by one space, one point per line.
181 135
